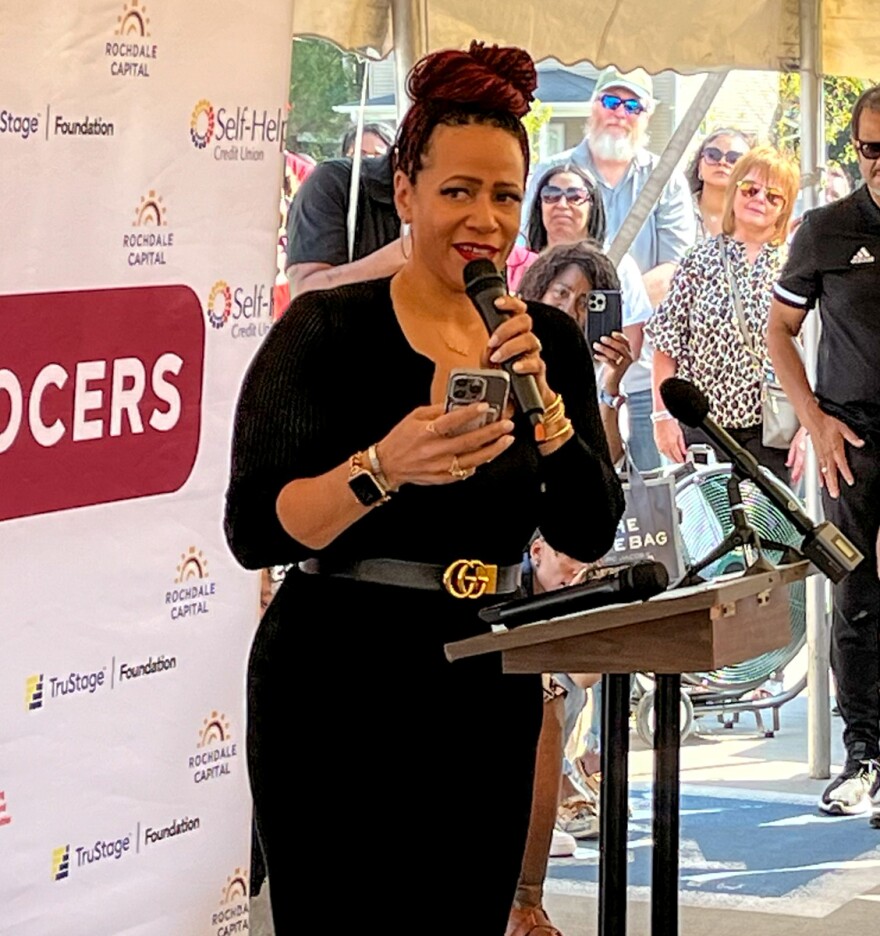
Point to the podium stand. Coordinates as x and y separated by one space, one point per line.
694 629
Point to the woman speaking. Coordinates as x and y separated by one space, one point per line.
404 520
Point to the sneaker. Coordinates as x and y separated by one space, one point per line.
563 845
853 791
579 817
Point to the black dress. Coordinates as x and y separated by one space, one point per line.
363 741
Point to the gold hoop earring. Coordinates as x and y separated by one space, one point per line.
406 235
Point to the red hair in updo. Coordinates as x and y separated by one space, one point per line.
486 85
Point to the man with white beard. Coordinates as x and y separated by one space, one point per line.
613 151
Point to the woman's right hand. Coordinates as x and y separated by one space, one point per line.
429 447
670 440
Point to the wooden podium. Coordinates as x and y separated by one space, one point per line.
694 629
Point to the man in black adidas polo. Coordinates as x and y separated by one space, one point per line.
835 262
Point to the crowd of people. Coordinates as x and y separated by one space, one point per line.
348 468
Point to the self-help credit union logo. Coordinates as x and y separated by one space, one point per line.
241 134
5 817
232 915
216 751
149 242
248 308
193 590
131 51
107 405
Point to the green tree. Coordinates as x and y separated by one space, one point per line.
538 115
839 94
321 77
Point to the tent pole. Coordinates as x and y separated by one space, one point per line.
818 630
409 30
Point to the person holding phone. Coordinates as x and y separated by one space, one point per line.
403 523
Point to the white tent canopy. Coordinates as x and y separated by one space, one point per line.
685 35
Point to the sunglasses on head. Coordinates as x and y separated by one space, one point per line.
713 156
553 194
870 149
630 105
750 189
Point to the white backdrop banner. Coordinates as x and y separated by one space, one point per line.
141 146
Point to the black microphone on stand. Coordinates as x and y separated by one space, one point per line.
484 284
636 581
824 545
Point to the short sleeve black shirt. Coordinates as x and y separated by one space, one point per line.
317 223
835 261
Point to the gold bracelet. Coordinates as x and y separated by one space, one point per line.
556 407
559 433
552 426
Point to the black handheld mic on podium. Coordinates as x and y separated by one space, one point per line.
636 581
484 284
824 545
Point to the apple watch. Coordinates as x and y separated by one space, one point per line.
365 486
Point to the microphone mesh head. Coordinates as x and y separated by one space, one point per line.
476 272
648 578
686 402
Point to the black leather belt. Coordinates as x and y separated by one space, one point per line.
464 578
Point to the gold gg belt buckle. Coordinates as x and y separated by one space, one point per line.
470 578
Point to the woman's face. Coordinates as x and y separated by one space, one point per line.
465 202
565 208
568 292
758 203
718 158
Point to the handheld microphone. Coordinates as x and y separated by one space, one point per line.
824 545
484 284
636 581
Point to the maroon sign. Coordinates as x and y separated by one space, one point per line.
100 396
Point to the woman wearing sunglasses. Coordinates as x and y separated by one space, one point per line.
567 210
697 332
709 173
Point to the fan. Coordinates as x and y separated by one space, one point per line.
702 500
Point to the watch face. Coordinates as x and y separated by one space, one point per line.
366 488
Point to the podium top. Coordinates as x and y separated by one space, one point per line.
716 598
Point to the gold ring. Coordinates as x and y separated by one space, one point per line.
456 470
619 359
430 427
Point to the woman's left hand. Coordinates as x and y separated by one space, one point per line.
615 352
514 339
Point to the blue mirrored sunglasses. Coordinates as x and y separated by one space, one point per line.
630 105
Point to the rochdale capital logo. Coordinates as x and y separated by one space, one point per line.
148 244
232 916
130 51
193 589
201 124
215 751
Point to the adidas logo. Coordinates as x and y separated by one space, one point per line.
862 255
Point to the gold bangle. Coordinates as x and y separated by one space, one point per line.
559 433
555 407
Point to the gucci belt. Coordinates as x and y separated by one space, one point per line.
464 578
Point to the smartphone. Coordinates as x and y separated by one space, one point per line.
478 385
604 314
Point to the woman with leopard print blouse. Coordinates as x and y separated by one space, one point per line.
696 332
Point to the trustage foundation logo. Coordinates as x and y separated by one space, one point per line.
60 862
240 134
153 836
33 692
232 916
61 687
193 591
150 242
216 750
249 308
25 126
131 51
